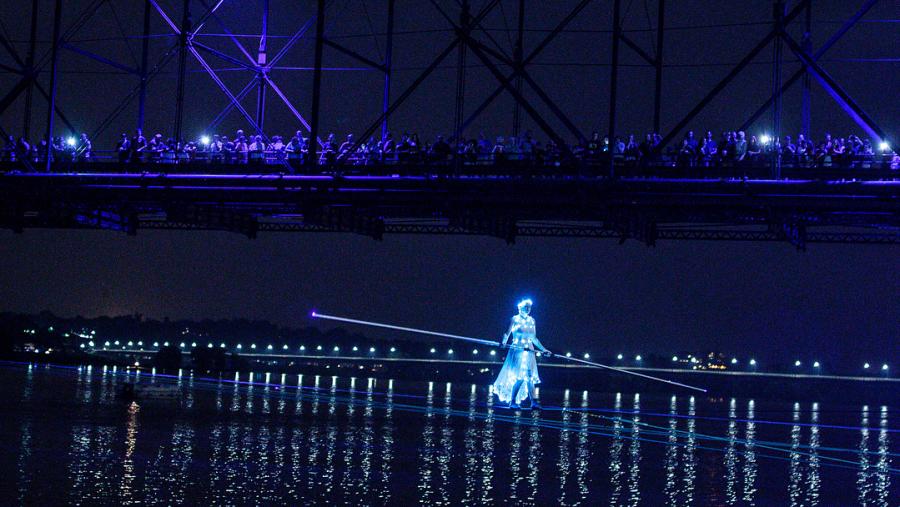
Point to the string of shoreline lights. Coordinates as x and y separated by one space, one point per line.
637 360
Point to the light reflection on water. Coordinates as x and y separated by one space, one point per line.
358 441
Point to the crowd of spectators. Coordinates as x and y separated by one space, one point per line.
729 149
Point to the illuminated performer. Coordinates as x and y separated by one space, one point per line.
520 367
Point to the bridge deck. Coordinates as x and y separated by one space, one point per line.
643 208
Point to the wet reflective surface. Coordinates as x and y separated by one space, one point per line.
271 438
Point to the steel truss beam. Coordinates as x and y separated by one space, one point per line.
519 70
111 220
28 66
725 81
848 24
799 213
837 93
419 80
481 51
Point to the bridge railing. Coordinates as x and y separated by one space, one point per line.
864 167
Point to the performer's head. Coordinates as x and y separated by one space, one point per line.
525 307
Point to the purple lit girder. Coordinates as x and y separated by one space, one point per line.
98 58
223 87
227 32
184 41
209 12
234 101
839 95
175 28
852 21
259 66
263 78
228 107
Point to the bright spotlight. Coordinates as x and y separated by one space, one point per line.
884 367
393 349
371 349
674 358
239 346
765 138
568 354
866 366
638 357
450 351
269 347
753 362
318 347
884 146
433 350
355 348
733 360
336 348
619 357
816 364
797 363
204 140
474 351
493 352
70 141
587 356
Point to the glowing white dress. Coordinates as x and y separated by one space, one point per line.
520 363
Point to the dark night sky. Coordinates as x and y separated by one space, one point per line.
840 301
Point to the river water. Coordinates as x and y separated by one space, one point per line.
257 438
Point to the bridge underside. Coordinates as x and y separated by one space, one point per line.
644 209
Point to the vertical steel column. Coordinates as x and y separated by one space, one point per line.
517 58
54 64
388 55
658 63
261 76
807 46
613 83
317 84
145 50
778 44
182 66
461 75
29 68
